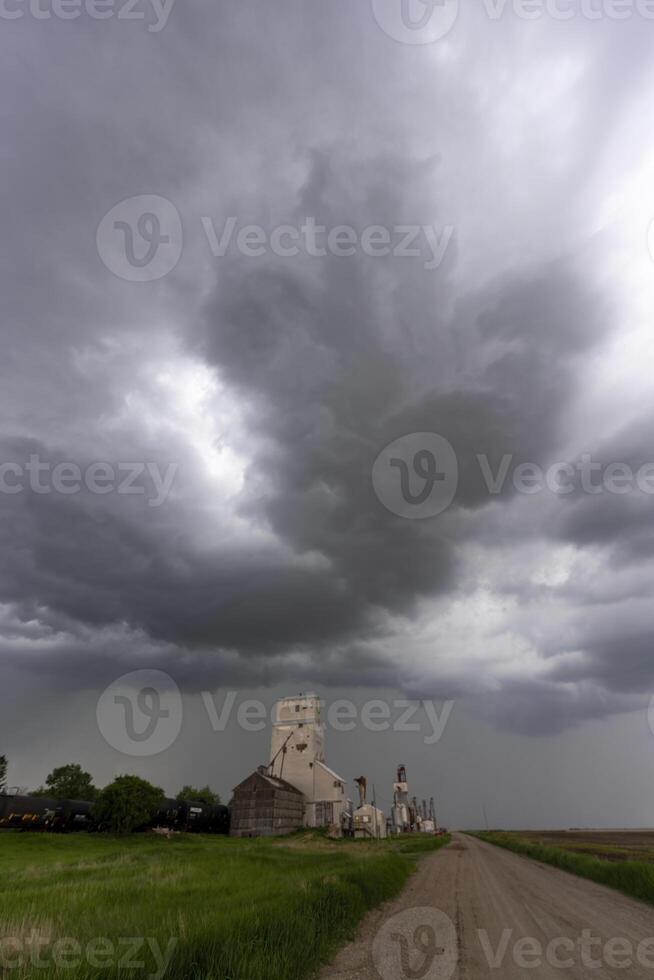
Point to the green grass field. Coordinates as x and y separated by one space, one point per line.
614 845
634 878
193 907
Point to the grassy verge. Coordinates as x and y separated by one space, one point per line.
634 878
194 907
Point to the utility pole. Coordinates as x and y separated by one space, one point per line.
374 806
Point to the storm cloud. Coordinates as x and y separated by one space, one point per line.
272 383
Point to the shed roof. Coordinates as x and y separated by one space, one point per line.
274 781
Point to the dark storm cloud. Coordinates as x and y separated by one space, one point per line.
619 520
100 564
317 352
551 707
274 115
621 659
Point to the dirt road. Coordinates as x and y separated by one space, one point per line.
474 911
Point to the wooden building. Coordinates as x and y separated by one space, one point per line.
264 806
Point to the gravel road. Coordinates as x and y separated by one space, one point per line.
474 911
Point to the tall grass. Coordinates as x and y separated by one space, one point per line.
634 878
231 909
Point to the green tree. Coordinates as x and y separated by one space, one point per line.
71 783
126 804
205 795
3 773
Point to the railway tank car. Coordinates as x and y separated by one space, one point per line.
193 817
44 813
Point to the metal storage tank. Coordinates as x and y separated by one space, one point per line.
43 813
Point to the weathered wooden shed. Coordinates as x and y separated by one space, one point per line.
264 806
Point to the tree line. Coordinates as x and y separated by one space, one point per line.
121 806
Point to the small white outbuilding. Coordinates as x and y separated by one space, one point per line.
368 821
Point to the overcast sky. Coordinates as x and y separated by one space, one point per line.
251 398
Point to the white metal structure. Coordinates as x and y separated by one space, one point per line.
297 754
369 822
400 814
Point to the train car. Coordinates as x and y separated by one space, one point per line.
44 813
27 812
192 817
220 818
167 815
202 818
74 815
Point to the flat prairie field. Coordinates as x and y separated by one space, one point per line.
621 859
85 906
612 845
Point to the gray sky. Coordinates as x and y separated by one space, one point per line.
249 396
